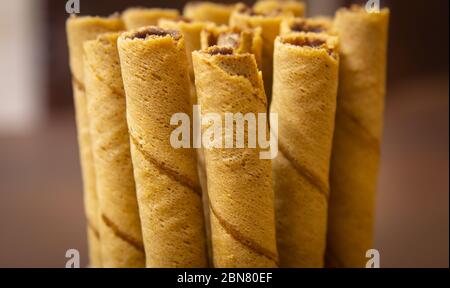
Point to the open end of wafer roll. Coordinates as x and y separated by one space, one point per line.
152 32
320 25
233 63
303 26
229 37
242 40
218 50
312 41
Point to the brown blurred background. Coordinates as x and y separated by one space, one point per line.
41 213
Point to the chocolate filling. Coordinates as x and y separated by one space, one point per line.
216 50
308 42
211 39
154 31
314 43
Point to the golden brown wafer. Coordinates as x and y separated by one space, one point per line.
239 182
156 80
121 235
305 90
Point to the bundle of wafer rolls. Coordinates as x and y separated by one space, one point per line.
291 182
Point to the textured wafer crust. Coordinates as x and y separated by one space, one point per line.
305 90
121 235
239 183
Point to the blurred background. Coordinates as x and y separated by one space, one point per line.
41 212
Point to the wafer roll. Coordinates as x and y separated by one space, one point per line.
304 96
356 147
306 25
139 17
239 183
80 29
208 12
156 80
121 244
297 8
241 40
244 17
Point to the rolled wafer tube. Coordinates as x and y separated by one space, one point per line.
80 29
357 139
241 40
306 25
239 183
208 12
121 235
297 8
304 97
244 17
156 80
139 17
